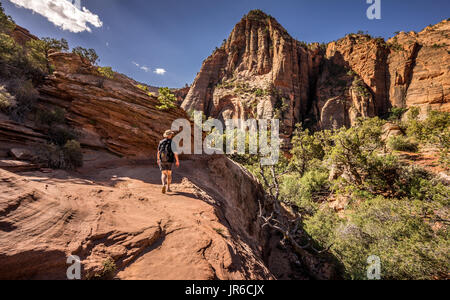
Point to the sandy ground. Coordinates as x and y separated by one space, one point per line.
116 210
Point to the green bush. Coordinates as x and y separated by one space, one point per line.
434 130
402 143
396 114
166 99
354 149
8 48
26 96
39 50
50 117
109 269
106 72
60 135
73 155
7 101
306 192
88 54
6 23
360 87
389 228
143 88
307 148
393 210
68 157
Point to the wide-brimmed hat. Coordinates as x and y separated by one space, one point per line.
169 133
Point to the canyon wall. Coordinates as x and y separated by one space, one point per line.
260 71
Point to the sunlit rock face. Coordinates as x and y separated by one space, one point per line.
260 71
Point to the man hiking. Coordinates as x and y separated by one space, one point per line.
166 157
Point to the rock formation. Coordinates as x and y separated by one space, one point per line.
259 71
419 67
111 213
262 72
22 35
206 230
112 114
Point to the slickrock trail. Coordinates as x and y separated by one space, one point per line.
120 213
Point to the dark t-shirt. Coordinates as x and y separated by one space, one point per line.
172 149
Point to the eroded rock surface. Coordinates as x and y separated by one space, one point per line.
262 72
205 229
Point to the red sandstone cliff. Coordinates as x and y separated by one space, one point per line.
262 72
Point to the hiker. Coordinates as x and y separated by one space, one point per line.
166 157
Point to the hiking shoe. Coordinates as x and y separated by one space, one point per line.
164 190
169 190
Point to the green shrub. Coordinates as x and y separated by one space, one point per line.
389 228
434 130
39 50
60 135
259 92
396 47
354 150
402 143
88 54
50 117
68 157
360 87
6 23
307 148
396 113
106 72
8 48
306 192
7 101
73 155
166 99
143 88
109 269
26 96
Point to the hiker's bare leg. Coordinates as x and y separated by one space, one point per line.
164 180
164 177
169 179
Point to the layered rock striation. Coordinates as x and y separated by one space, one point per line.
260 71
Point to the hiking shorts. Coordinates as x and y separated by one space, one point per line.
166 166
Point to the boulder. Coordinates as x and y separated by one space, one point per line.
22 154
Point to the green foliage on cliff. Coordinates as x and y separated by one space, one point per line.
68 157
6 23
258 15
106 72
387 208
401 143
88 54
167 100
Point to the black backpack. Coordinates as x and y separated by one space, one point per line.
165 151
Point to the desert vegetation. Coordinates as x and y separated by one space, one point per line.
22 69
166 99
354 197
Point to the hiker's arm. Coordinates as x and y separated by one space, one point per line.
177 160
157 157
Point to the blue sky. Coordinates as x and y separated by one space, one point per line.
177 35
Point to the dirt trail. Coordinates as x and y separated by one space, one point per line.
119 212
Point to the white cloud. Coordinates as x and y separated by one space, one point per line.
160 71
63 14
143 68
